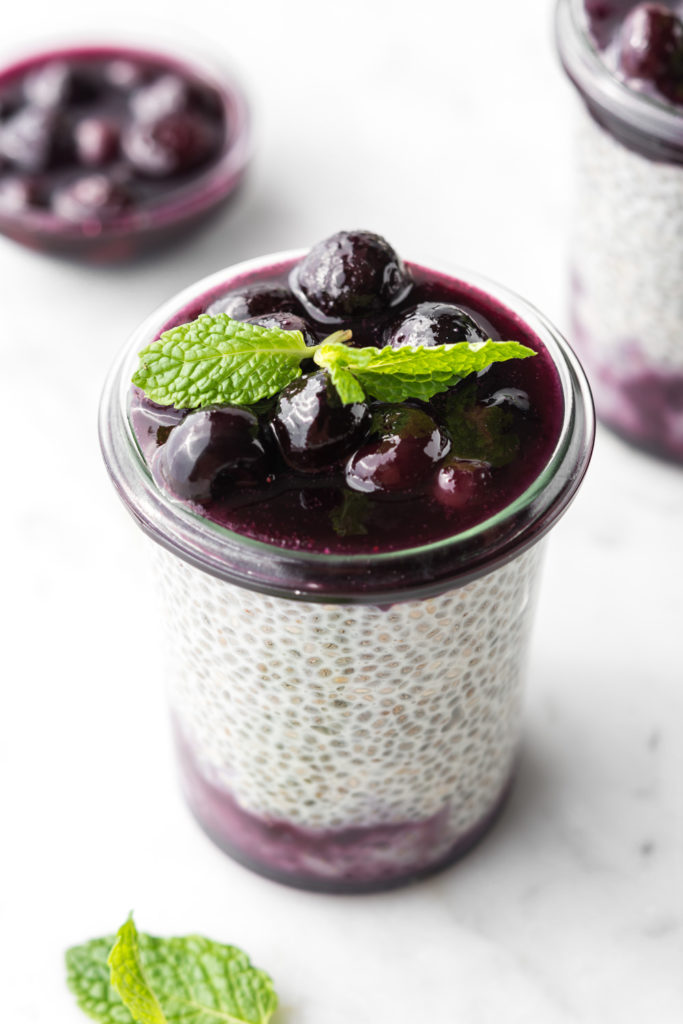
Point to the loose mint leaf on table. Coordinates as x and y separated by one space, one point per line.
219 361
147 980
88 977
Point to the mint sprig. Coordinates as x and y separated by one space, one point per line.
135 978
219 361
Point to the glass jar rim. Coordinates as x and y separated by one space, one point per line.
638 111
382 577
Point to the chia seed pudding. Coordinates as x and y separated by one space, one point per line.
348 620
626 60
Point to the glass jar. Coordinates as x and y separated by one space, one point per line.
627 247
347 722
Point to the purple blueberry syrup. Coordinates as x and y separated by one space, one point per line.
100 144
313 474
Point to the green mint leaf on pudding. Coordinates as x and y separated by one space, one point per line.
140 979
395 374
349 517
219 361
480 432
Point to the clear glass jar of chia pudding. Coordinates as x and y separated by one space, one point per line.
626 61
347 704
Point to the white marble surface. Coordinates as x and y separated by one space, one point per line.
447 128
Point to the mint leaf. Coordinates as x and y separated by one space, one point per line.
349 518
187 980
87 975
395 374
480 432
219 361
128 977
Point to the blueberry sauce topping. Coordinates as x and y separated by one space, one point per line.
303 470
104 135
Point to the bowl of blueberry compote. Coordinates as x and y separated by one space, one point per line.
347 462
626 61
108 151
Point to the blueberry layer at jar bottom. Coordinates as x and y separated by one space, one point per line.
639 401
343 860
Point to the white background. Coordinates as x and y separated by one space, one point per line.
447 128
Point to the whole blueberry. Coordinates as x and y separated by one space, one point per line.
211 453
60 84
287 322
96 141
92 196
257 299
167 94
407 448
33 140
351 274
173 144
154 422
122 74
433 323
18 194
513 399
650 42
460 482
313 428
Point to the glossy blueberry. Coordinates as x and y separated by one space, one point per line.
96 141
509 398
59 84
313 428
408 447
93 196
460 482
122 74
252 300
287 322
351 274
173 144
651 40
18 194
211 453
32 140
154 421
433 323
167 94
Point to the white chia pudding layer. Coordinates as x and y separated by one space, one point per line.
628 255
337 716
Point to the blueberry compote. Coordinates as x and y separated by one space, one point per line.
303 471
100 141
642 43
